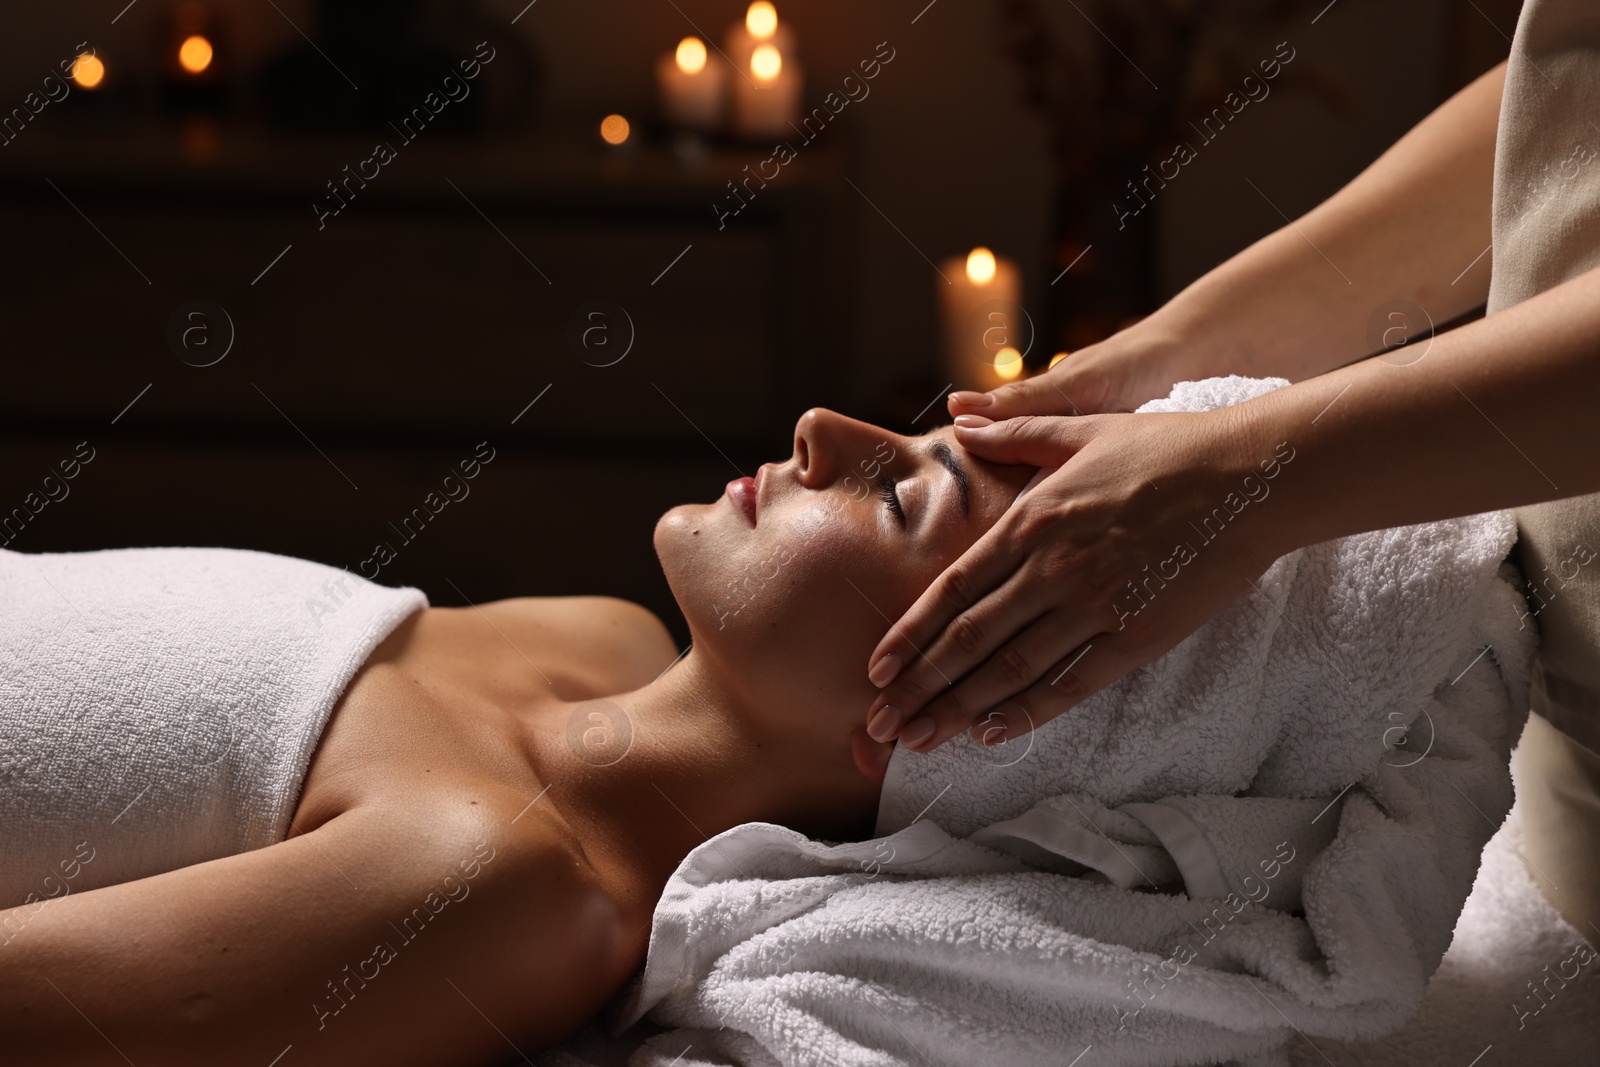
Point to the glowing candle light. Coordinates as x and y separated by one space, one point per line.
88 72
984 328
194 54
761 20
766 95
691 55
614 129
690 88
766 102
1058 357
766 63
761 25
980 266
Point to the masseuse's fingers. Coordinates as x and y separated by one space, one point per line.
1024 662
972 637
1050 393
1117 374
1091 666
940 638
1037 441
1101 661
991 560
1033 655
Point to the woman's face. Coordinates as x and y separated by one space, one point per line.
791 578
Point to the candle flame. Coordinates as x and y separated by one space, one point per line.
691 55
1008 363
87 71
1057 358
766 62
194 54
614 129
761 20
980 266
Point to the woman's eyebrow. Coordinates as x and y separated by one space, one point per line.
941 452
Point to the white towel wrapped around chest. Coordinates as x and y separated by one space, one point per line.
159 707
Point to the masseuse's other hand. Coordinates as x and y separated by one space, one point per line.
1128 368
1152 523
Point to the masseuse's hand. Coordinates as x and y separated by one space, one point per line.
1119 373
1039 613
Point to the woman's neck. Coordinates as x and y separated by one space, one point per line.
649 775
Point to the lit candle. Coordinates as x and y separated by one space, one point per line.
760 26
768 81
195 58
691 88
985 330
766 101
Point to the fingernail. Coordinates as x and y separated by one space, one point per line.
885 670
884 722
973 422
968 399
917 732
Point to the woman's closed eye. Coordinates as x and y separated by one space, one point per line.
888 493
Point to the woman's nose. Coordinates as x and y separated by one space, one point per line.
823 442
810 452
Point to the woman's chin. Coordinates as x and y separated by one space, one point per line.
679 523
692 544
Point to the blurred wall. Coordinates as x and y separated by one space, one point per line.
942 147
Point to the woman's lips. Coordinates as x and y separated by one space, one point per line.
742 491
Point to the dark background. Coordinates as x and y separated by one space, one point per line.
377 352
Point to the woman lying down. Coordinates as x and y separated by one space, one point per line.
239 829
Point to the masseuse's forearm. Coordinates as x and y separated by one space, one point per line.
1298 302
1498 413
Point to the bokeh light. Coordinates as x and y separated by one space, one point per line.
614 129
761 20
766 62
691 55
88 72
194 54
980 266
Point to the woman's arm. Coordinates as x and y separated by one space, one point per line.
1495 414
238 959
1300 301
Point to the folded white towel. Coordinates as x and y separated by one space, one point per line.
1519 985
1311 867
159 707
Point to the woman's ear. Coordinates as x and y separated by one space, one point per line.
872 757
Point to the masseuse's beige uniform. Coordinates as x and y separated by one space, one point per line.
1547 230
